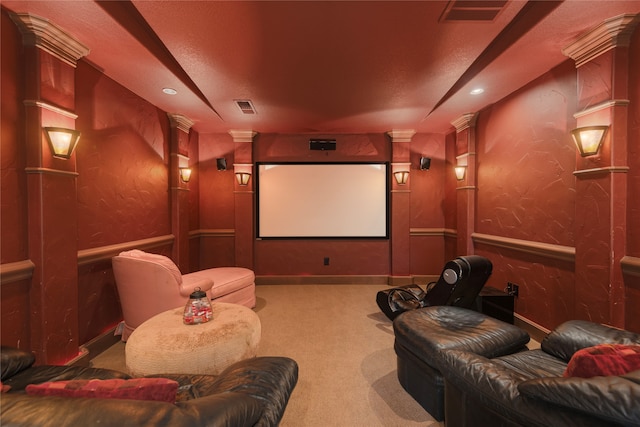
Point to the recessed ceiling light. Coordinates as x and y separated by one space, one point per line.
477 91
169 91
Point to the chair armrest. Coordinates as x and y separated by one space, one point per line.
575 335
490 390
190 283
269 380
612 398
14 360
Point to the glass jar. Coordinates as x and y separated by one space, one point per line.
198 308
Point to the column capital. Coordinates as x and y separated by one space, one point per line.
242 135
465 121
180 122
401 135
41 33
611 33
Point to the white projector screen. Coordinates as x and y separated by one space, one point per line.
322 200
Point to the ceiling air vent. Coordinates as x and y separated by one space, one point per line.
245 106
472 10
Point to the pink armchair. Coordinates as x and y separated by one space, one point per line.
149 284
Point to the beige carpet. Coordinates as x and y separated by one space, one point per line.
344 348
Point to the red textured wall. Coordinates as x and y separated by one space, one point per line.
526 190
216 201
14 318
122 162
428 209
633 220
13 190
632 283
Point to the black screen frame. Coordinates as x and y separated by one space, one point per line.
387 210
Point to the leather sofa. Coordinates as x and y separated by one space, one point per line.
528 388
253 392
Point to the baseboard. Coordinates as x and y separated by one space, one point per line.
345 280
94 347
322 280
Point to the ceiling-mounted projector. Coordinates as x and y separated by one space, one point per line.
322 144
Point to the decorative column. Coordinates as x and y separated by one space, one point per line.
400 207
51 57
244 205
179 158
466 190
602 63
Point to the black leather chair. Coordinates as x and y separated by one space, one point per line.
459 284
423 336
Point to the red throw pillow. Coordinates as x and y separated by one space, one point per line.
604 360
161 389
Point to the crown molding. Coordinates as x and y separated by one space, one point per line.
42 33
465 121
401 135
242 135
180 122
611 33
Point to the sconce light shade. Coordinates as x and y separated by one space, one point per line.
185 174
243 177
221 163
425 163
589 139
401 177
62 141
460 171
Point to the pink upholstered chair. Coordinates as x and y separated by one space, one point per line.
149 284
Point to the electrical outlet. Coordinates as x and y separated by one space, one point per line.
326 260
512 289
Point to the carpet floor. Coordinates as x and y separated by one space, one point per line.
344 348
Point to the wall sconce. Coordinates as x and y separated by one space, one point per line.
401 177
62 141
185 174
588 139
221 164
425 163
243 177
460 171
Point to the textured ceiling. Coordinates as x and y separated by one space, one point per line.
324 66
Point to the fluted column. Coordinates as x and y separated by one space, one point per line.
400 207
466 190
602 63
179 158
244 200
50 56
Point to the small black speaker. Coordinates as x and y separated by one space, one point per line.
221 163
425 163
322 144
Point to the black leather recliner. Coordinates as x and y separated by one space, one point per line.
252 392
459 284
528 388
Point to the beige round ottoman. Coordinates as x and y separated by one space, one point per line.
165 345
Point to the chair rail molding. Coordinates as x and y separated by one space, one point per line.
547 250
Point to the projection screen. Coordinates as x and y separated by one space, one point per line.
322 200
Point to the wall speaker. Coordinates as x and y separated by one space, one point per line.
425 163
222 164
